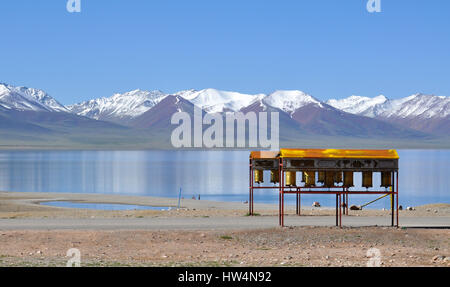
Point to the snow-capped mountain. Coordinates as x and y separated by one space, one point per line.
28 99
119 106
215 101
359 105
290 101
426 113
418 117
418 105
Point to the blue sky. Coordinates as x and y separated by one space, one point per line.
328 48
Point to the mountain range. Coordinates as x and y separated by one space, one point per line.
141 119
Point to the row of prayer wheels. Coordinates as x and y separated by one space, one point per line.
327 178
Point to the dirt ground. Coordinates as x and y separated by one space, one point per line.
299 246
293 246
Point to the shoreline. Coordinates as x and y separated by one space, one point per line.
27 205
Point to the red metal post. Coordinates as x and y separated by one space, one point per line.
337 215
250 197
282 209
393 198
340 211
346 205
280 190
396 191
282 195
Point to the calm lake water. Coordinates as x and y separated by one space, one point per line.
215 175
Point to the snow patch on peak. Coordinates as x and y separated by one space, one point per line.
419 105
416 105
129 104
216 101
290 101
28 99
358 105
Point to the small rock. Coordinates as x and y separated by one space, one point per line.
400 207
438 258
354 207
435 211
316 204
39 252
409 208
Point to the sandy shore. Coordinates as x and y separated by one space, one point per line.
27 205
206 233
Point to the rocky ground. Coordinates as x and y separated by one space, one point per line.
299 246
291 246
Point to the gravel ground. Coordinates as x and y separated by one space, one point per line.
208 233
300 246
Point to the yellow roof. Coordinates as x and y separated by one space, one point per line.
264 154
338 153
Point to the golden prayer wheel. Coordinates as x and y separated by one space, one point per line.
259 176
274 176
367 179
348 178
291 178
386 179
329 178
303 177
310 178
338 177
321 177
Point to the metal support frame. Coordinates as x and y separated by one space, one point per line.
342 196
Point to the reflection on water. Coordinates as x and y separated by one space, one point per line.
101 206
215 175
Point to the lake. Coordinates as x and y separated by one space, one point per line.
214 175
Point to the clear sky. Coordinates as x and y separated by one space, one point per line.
328 48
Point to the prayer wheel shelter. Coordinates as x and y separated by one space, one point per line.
325 171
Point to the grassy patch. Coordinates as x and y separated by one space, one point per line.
264 248
226 237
